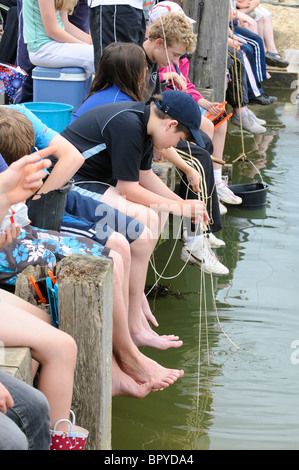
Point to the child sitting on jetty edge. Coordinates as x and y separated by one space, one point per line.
129 359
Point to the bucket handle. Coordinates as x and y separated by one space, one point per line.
71 423
40 196
37 195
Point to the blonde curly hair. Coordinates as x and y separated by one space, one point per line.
174 28
66 5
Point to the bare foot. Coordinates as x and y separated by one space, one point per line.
147 311
123 385
143 370
145 336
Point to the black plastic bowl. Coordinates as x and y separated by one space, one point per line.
252 194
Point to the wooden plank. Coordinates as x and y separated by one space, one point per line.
17 362
281 78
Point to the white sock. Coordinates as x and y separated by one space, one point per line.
218 176
193 241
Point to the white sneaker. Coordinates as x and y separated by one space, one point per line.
226 195
261 122
248 124
203 257
215 242
222 209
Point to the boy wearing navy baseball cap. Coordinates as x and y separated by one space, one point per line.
117 141
185 111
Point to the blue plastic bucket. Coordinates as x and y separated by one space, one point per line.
57 116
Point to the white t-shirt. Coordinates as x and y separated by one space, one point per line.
133 3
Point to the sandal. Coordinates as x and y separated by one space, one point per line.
275 59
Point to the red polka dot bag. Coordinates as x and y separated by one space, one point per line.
74 439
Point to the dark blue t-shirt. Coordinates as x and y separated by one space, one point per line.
114 142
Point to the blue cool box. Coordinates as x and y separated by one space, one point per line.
69 85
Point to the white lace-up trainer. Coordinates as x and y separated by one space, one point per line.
222 209
225 194
215 242
201 255
249 124
261 122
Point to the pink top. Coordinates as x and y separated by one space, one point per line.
184 66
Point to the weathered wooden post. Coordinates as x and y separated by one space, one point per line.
85 312
208 63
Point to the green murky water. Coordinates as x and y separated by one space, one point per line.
231 398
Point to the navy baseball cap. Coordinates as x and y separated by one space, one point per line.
182 108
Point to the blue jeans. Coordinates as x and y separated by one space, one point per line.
25 426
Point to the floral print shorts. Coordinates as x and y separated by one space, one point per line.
35 246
